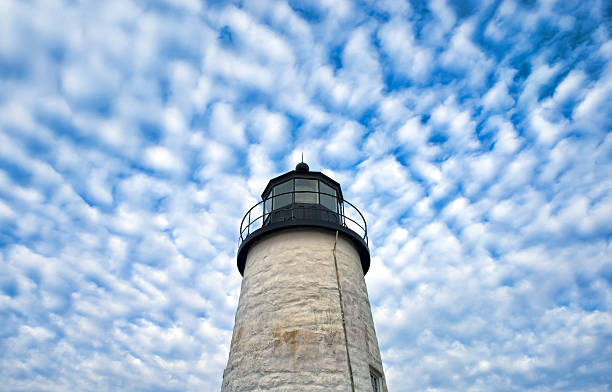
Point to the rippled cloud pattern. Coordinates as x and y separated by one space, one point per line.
475 137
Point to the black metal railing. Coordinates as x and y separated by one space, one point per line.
306 206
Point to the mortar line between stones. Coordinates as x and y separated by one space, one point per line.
348 357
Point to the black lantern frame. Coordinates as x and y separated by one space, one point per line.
296 200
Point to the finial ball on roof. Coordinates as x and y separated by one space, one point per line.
302 167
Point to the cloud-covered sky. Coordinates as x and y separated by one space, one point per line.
475 137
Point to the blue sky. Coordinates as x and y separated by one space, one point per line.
475 137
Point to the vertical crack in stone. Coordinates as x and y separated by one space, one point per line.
348 356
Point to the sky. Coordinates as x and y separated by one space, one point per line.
473 135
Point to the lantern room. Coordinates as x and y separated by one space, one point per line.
301 194
298 199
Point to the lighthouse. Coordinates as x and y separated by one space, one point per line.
303 322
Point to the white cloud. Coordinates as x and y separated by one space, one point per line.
497 98
408 58
464 55
519 172
540 75
270 129
570 87
507 141
89 79
190 5
238 70
361 70
456 123
225 127
546 131
98 187
215 158
343 143
445 19
593 104
256 39
160 158
413 134
384 176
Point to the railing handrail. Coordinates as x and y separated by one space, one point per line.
340 213
303 207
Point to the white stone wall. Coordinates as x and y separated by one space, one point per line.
288 333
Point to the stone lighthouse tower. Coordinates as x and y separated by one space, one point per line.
303 321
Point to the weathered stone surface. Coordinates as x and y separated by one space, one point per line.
288 333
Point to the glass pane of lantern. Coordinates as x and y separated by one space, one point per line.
327 200
283 200
267 207
306 191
